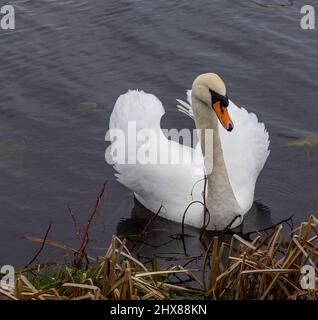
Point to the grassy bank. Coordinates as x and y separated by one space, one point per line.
265 266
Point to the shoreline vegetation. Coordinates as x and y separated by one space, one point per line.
266 264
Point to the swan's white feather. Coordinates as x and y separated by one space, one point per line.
168 185
185 108
245 150
174 186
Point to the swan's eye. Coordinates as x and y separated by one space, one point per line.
216 97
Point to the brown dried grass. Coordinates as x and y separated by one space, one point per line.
266 267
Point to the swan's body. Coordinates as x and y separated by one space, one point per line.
238 158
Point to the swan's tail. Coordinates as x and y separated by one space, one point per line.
136 107
134 113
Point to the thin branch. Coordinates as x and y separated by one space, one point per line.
42 246
183 223
192 190
75 223
85 238
206 213
246 235
53 244
149 223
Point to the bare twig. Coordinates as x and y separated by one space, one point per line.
76 225
149 223
206 214
183 223
247 234
42 246
85 238
53 244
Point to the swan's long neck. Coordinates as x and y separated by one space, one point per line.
221 200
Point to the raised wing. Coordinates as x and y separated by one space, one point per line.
245 149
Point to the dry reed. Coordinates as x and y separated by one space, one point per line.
266 267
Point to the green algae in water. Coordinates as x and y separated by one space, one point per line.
12 152
303 142
85 106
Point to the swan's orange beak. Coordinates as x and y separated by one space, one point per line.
223 116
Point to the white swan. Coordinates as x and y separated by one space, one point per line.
237 159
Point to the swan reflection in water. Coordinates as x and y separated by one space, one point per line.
163 237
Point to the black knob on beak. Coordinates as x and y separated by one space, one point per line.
230 127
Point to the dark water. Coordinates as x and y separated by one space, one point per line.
63 67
